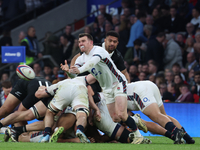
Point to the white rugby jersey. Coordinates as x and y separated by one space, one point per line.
101 66
78 80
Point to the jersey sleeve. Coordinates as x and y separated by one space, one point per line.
51 90
120 62
90 63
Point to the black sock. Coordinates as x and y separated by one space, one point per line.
168 134
187 137
172 129
131 123
80 127
20 129
47 130
1 125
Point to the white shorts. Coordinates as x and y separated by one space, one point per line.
144 94
118 90
70 95
70 110
106 125
132 106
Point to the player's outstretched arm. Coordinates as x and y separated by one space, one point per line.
41 92
69 72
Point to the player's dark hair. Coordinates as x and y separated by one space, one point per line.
137 42
161 34
112 33
6 84
141 14
176 65
87 35
197 73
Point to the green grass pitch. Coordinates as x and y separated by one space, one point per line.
158 143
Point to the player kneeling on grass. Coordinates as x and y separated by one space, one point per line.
67 92
145 95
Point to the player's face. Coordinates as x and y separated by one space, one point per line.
84 44
111 43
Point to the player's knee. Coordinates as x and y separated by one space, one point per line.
82 110
52 109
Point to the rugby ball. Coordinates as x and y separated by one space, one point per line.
25 72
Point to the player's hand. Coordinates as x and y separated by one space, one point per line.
98 115
74 70
64 67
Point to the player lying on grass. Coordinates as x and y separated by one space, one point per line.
145 95
24 93
67 92
66 122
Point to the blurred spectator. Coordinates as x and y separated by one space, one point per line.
176 69
96 33
6 40
190 79
116 20
48 72
165 94
140 4
6 89
68 34
173 53
186 95
197 67
31 44
108 27
180 40
155 28
142 76
145 68
4 77
190 30
169 77
102 9
137 30
178 81
30 4
189 45
55 73
12 8
174 22
196 87
153 68
123 39
185 9
196 17
156 14
148 29
61 76
135 55
192 63
101 22
139 67
38 70
197 37
171 89
159 80
66 48
124 4
133 73
21 36
155 50
127 13
75 49
51 47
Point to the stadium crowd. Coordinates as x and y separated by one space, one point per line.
158 40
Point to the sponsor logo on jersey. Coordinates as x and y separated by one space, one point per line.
18 93
145 99
118 88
